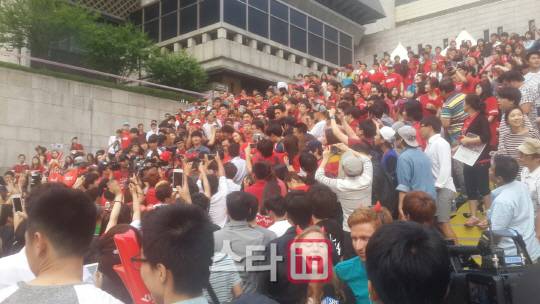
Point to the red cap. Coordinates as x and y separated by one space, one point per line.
165 156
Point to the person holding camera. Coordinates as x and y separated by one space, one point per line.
122 175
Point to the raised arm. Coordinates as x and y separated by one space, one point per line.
206 184
117 203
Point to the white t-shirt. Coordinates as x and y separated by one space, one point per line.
280 227
218 204
318 130
233 186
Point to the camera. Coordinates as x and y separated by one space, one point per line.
114 165
334 150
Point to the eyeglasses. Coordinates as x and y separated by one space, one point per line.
137 261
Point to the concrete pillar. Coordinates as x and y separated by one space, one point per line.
324 69
177 47
279 53
238 38
267 49
314 65
253 44
191 42
205 37
222 33
292 57
303 62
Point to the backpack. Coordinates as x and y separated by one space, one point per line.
387 184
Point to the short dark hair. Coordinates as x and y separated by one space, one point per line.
376 109
433 121
504 34
274 129
298 207
265 147
368 127
506 167
254 203
213 181
532 52
163 191
67 217
276 204
511 75
89 178
238 205
235 150
404 248
414 110
134 130
511 94
302 127
196 134
230 170
323 200
227 129
258 124
180 237
306 103
262 169
9 173
447 85
201 200
308 162
355 112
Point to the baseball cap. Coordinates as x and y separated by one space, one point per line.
126 123
196 121
74 137
390 66
400 103
165 156
78 160
312 145
530 146
388 134
320 108
102 167
153 138
408 133
352 165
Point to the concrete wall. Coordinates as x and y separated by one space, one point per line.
385 23
512 15
43 110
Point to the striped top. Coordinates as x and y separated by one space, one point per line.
223 276
453 110
509 142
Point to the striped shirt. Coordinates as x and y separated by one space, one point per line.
223 276
453 110
509 142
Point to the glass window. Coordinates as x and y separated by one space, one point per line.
260 4
279 31
258 22
169 26
298 19
279 10
151 12
330 33
209 12
315 27
315 45
136 17
168 6
234 13
184 3
298 39
345 56
345 40
188 19
152 28
331 52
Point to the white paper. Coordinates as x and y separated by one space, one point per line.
469 154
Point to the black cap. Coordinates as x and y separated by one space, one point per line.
153 138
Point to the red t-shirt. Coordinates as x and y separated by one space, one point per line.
422 142
470 86
122 178
409 79
366 75
493 110
151 197
427 66
424 100
440 62
393 81
126 140
379 76
304 187
19 169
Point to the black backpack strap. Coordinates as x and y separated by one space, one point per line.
212 294
276 160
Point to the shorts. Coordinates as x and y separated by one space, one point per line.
477 180
444 204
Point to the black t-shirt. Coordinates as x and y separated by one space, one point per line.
7 234
335 232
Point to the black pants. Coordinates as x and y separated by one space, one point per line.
477 180
347 248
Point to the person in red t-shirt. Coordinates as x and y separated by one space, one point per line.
393 79
377 74
483 89
295 182
122 175
126 136
440 58
21 168
76 147
467 76
413 113
431 102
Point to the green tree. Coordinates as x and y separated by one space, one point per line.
178 70
114 49
39 25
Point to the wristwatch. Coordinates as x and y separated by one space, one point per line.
332 117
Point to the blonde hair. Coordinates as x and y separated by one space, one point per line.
369 215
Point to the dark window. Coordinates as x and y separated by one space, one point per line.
188 19
298 39
331 33
151 12
184 3
298 19
234 13
315 45
374 59
279 10
209 12
258 22
531 28
445 43
331 52
420 49
486 36
169 26
136 17
260 4
345 56
499 31
315 26
279 31
409 48
345 40
168 6
152 28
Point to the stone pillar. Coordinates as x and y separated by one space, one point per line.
324 69
253 44
303 62
267 49
191 42
292 57
205 37
177 47
314 65
279 53
238 38
222 33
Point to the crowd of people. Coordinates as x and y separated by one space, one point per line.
364 161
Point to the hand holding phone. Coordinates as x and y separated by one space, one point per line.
17 202
178 178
